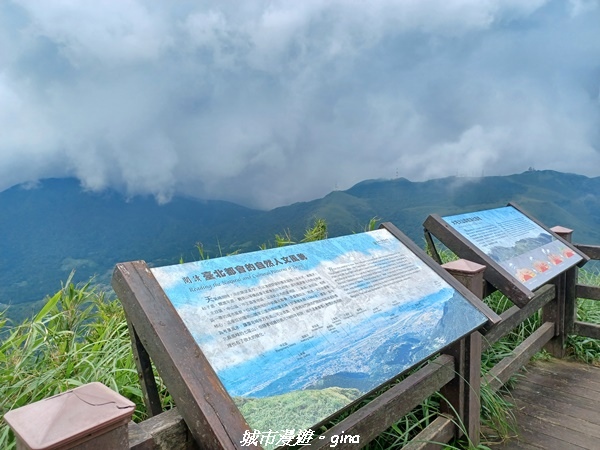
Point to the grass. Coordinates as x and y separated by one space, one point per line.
78 337
81 335
583 348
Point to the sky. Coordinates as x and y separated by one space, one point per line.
266 103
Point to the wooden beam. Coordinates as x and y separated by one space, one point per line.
212 417
587 291
515 315
453 393
431 247
385 410
555 312
145 374
593 251
472 419
165 431
590 330
506 368
435 435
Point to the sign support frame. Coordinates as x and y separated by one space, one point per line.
494 273
209 411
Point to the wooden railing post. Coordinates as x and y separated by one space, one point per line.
469 274
462 394
571 276
561 311
145 373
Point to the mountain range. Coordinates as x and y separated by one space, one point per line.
48 230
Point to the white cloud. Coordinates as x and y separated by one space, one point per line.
267 103
105 32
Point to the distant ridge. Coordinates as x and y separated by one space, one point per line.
47 231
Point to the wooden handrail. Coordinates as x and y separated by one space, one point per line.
593 251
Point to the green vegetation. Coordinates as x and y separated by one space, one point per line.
80 335
277 412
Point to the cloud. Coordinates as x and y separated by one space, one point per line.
270 102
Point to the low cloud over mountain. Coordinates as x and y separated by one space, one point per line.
269 102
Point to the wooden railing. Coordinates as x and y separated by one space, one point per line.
168 431
556 303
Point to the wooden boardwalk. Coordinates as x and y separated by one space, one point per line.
557 407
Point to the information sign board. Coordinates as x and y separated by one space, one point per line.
522 247
297 333
505 239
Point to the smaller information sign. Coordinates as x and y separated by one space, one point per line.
523 248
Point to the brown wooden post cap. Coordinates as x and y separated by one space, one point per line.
565 233
468 273
561 230
463 266
70 418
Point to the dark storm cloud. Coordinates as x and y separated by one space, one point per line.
267 103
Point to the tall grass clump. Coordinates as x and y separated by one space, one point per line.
78 337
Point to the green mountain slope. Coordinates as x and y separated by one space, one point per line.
48 231
552 197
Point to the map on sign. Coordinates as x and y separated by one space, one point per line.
520 246
297 333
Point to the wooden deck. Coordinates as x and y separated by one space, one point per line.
557 406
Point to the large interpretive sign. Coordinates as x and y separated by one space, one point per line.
297 333
509 242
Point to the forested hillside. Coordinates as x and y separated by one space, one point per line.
56 227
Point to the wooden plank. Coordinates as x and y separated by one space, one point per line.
506 368
592 251
591 330
557 406
165 431
589 292
515 315
575 372
545 383
213 419
548 436
385 410
551 401
559 395
561 414
517 443
434 436
145 374
562 426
